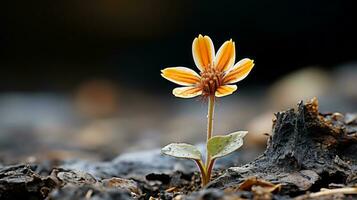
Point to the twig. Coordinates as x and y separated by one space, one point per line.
347 190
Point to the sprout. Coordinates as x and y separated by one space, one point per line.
217 77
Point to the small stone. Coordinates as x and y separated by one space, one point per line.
75 177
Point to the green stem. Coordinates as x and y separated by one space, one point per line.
209 169
203 172
210 114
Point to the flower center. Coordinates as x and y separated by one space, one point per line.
211 79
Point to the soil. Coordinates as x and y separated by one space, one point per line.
308 151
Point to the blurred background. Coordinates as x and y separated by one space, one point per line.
81 79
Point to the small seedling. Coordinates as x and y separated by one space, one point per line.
218 74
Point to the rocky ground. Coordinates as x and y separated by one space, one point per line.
309 156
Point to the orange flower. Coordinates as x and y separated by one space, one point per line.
217 72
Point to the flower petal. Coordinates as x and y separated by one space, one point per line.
225 90
203 51
187 92
226 56
239 71
181 75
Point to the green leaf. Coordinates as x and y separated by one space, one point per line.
222 145
182 150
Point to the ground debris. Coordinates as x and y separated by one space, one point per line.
253 182
82 185
338 193
21 182
123 184
306 152
86 192
260 189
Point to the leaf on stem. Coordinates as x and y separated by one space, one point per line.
222 145
182 150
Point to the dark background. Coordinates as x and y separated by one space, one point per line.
55 45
